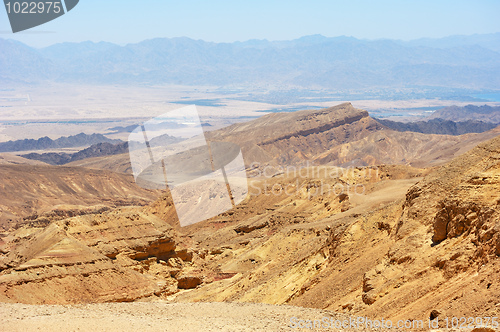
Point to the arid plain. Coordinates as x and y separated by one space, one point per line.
43 110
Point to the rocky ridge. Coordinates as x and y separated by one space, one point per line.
337 136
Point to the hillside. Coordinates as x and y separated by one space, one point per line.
389 241
38 194
483 113
10 159
435 250
117 163
391 147
409 244
141 245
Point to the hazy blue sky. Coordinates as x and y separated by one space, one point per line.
127 21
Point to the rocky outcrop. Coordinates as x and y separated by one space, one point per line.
61 212
449 229
188 282
291 138
115 256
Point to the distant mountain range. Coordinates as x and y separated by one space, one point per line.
483 113
471 62
440 126
62 142
96 150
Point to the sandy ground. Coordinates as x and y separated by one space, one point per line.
156 316
162 316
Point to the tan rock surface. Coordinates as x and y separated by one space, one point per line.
392 242
38 194
377 258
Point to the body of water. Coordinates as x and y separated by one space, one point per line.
489 96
